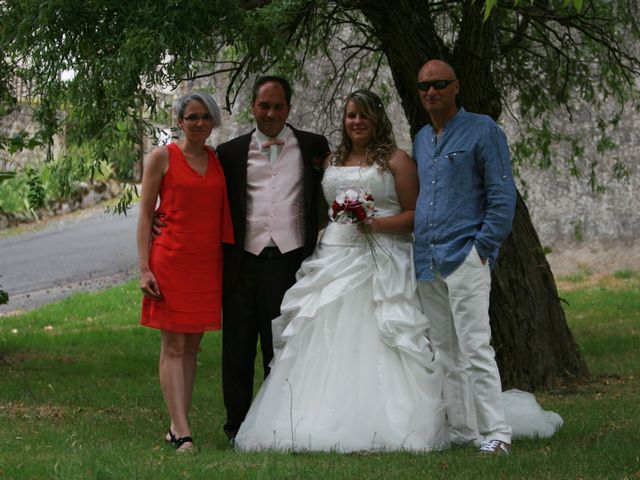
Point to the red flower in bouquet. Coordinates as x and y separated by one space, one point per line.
352 206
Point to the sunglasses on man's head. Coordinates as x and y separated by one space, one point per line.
437 84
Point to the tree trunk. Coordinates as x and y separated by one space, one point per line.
534 346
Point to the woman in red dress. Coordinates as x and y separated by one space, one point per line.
181 270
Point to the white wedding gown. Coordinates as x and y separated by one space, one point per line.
353 368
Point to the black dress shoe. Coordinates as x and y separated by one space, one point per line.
231 433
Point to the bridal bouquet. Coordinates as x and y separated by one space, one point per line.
352 205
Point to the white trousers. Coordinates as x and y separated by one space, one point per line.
458 307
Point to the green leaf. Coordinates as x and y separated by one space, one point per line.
488 6
5 175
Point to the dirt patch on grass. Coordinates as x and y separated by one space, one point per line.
601 280
594 258
22 410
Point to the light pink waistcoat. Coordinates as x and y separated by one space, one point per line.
275 210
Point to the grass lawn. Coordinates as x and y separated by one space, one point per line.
80 399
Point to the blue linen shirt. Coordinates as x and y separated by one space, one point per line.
467 193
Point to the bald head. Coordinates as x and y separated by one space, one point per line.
437 66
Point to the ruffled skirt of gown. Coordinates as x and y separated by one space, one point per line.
353 369
526 417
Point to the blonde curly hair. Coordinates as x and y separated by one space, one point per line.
383 143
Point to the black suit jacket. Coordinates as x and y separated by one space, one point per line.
233 158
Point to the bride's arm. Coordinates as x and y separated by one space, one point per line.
405 173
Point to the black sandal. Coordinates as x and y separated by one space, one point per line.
179 442
172 438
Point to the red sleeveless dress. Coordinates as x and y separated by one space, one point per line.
186 258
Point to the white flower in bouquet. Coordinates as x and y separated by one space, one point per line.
352 205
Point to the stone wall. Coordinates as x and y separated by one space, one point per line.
21 120
587 229
85 195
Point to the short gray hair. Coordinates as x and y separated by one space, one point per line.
205 99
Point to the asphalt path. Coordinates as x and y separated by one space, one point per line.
83 251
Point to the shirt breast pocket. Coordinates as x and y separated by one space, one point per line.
460 165
456 157
458 178
453 155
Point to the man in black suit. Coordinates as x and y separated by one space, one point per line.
273 180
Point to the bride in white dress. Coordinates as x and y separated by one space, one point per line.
353 368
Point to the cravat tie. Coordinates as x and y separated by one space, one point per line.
272 144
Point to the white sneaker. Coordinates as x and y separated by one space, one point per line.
495 447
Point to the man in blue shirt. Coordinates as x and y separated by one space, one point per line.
464 212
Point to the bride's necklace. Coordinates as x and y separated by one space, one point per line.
357 160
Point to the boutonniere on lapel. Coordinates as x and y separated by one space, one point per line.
318 162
